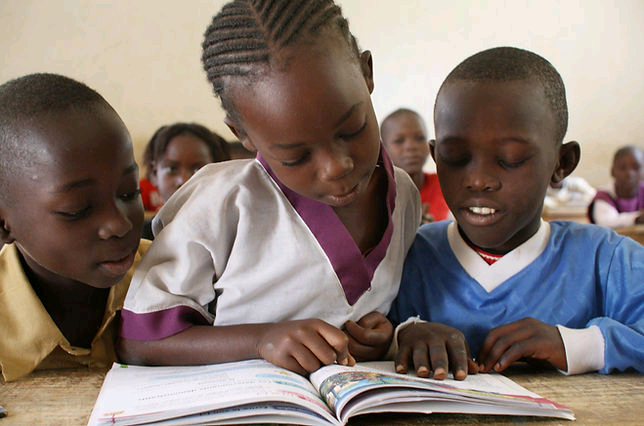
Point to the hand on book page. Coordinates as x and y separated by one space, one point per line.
304 346
433 347
370 337
527 338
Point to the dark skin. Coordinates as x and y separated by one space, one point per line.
496 153
66 304
405 137
627 171
184 155
314 124
76 216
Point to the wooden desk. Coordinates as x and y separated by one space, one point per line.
66 397
575 214
636 232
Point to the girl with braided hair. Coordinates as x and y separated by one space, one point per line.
294 256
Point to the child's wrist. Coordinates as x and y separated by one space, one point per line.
393 347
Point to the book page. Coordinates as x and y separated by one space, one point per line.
362 388
134 393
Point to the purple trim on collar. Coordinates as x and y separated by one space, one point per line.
159 324
622 205
354 270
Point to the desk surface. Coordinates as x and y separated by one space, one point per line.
66 397
636 232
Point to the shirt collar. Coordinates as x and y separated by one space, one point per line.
491 276
29 334
354 270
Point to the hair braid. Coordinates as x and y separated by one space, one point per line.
244 37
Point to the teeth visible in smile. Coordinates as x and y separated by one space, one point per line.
482 210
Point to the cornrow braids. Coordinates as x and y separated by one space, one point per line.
511 64
244 37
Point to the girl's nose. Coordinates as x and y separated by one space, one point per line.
336 165
183 177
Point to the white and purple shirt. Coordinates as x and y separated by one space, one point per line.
235 246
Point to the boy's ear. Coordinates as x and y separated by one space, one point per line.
432 146
366 65
569 155
5 232
239 133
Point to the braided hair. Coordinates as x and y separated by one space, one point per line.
244 37
511 64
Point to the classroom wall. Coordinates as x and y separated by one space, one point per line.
144 57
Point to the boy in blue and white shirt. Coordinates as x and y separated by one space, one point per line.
515 286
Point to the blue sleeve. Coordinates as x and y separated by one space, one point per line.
623 322
411 295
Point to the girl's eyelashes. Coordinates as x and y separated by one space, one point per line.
297 162
304 158
170 169
356 133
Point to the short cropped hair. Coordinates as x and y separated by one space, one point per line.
629 149
22 101
502 64
397 113
156 147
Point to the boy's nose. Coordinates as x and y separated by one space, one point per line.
411 145
481 181
115 223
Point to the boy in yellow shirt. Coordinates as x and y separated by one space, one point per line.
70 218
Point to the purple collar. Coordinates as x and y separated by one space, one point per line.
354 270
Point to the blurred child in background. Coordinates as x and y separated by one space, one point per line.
622 203
404 135
173 154
573 191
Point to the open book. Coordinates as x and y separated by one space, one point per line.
256 391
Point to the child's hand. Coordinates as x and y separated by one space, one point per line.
526 338
433 346
370 337
304 346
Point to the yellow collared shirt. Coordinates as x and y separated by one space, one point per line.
29 337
